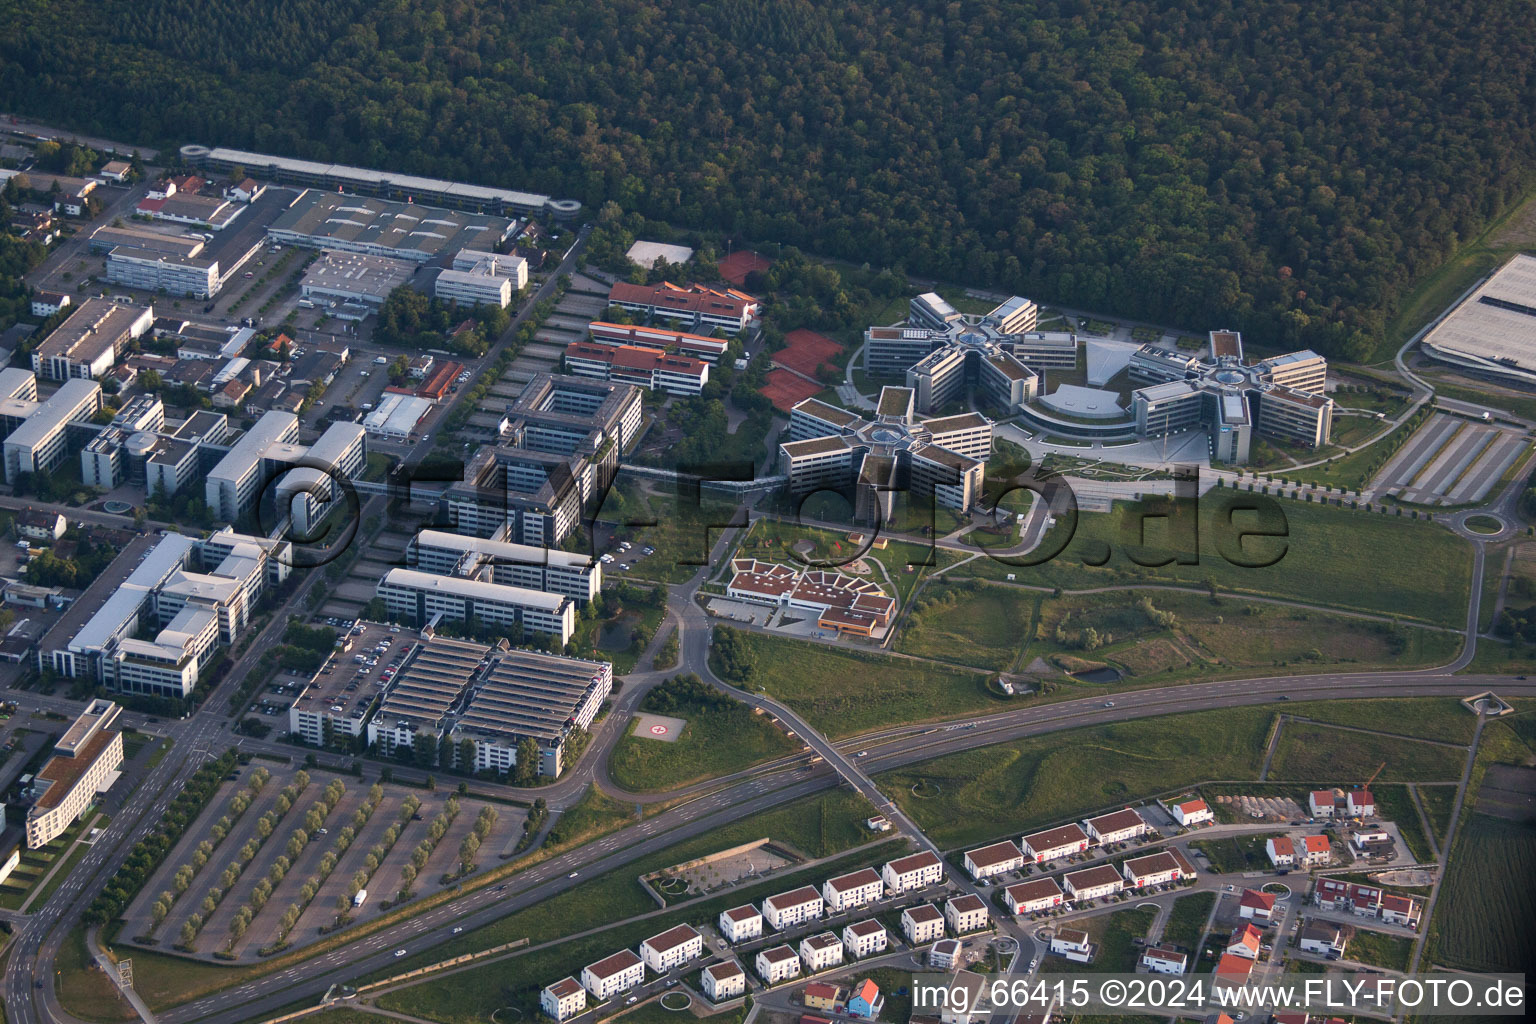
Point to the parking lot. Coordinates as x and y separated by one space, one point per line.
1451 461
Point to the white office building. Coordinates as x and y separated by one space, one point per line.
421 597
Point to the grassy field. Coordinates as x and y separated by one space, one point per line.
680 530
1115 935
1425 718
1227 635
1438 802
971 624
842 692
773 540
1329 556
470 997
1007 788
1488 898
1318 753
1231 854
87 994
654 1013
1187 920
1380 950
595 814
713 743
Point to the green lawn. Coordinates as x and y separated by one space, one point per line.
1426 718
1232 854
1395 804
1380 950
1328 556
1318 753
133 742
1187 920
1115 935
841 691
680 530
713 743
965 798
595 814
84 991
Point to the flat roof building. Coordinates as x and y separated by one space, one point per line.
84 763
1493 330
40 442
381 227
422 598
91 339
355 277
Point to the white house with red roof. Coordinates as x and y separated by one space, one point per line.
997 859
1162 960
613 974
1315 850
1245 942
1157 869
915 872
563 1000
922 924
1055 843
852 890
778 964
1191 813
740 923
1321 802
1282 852
794 907
864 938
671 948
1256 906
724 981
1093 883
1360 803
966 913
1117 826
1033 896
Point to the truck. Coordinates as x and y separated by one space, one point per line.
360 898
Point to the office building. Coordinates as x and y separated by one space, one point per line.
696 346
694 307
517 565
194 277
268 454
648 368
90 340
478 277
38 435
84 762
422 598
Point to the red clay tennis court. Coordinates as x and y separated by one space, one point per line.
735 267
805 351
784 389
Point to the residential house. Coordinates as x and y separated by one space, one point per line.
974 1002
724 981
965 914
49 303
740 924
778 964
1232 969
1157 869
613 974
1321 802
1073 944
1117 826
1055 843
564 999
1162 960
1360 803
944 955
1325 938
671 948
1093 883
39 525
1360 900
818 995
1245 941
1282 852
866 1002
1191 813
915 872
821 951
792 908
864 938
1370 840
1403 910
1256 906
852 890
1033 897
1315 850
922 924
997 859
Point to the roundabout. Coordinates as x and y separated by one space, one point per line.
1482 525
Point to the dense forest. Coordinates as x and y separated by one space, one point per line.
1278 166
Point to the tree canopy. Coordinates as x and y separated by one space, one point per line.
1277 166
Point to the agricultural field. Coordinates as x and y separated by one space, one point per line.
1329 556
1488 898
963 799
1319 753
831 687
1396 804
1438 802
1424 718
